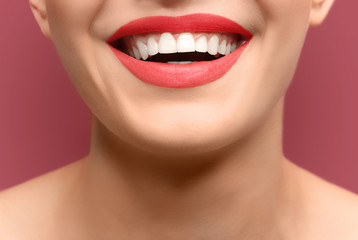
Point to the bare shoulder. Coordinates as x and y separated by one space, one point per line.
332 210
26 210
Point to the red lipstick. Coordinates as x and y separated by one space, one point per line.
180 75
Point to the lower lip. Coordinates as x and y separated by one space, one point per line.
179 75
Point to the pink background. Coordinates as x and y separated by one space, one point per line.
44 124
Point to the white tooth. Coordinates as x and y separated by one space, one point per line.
142 49
136 53
167 43
239 44
233 47
213 45
152 46
222 47
201 44
131 53
181 62
186 43
228 48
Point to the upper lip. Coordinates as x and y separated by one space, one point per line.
201 22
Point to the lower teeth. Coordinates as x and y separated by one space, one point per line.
181 62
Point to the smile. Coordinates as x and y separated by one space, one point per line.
179 52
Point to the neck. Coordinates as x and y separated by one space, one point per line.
232 192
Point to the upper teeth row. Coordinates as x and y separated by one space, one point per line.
185 43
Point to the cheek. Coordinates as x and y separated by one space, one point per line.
286 19
281 10
70 20
73 13
275 51
287 23
70 23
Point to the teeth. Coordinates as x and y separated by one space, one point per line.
152 46
181 62
213 45
233 47
131 53
241 43
167 43
136 53
222 47
201 44
228 49
186 43
143 50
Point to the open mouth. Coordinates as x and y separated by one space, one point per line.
179 52
179 48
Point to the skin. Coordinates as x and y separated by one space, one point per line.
206 163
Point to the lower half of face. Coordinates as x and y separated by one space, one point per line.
197 117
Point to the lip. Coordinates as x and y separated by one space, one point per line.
175 75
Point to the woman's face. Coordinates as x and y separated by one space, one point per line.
196 119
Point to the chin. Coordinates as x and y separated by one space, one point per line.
184 136
178 143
